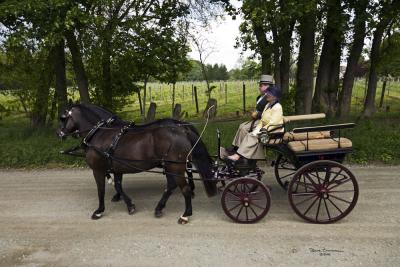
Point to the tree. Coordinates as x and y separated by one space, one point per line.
359 21
327 83
305 63
387 15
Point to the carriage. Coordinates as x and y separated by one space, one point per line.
308 165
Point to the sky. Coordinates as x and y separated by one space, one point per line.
222 36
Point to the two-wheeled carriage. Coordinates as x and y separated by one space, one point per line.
320 189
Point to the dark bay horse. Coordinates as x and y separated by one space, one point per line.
112 147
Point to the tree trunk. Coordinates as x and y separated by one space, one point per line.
285 39
265 49
388 12
106 85
277 61
79 69
144 98
383 92
328 70
305 64
173 97
352 60
40 106
61 83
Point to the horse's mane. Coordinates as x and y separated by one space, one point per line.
103 113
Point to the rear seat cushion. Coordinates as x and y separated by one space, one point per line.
289 136
319 144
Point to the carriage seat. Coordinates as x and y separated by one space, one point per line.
290 136
320 144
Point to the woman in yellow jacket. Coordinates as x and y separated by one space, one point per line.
271 118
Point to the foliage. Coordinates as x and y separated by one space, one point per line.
389 63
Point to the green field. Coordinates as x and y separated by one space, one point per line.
376 140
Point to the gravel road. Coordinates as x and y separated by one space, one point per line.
45 221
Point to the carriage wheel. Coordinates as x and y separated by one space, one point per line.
323 192
284 171
246 200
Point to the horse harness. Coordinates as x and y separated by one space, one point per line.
109 153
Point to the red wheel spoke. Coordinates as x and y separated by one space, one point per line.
303 194
318 178
233 194
235 207
283 177
310 179
334 178
327 210
341 199
341 191
319 205
247 214
305 200
312 204
237 216
255 214
335 206
327 175
340 182
305 185
258 206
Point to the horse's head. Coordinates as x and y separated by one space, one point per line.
80 119
70 121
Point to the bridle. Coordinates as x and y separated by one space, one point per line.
79 133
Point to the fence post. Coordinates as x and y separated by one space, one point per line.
226 93
183 92
150 93
244 98
195 98
192 92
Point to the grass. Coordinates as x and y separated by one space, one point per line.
375 140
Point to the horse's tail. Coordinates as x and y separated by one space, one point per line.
203 162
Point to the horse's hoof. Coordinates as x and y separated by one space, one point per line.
116 198
97 215
158 213
131 209
183 220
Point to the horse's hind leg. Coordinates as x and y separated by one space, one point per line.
171 185
117 196
100 178
118 187
190 178
187 194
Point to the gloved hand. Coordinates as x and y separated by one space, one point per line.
254 115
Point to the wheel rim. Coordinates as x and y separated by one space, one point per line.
246 200
284 171
323 192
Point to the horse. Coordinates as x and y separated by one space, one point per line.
113 147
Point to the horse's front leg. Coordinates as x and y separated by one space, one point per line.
171 185
100 178
118 187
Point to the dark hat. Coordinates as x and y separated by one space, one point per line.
268 79
274 91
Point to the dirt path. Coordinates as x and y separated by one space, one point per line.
44 221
